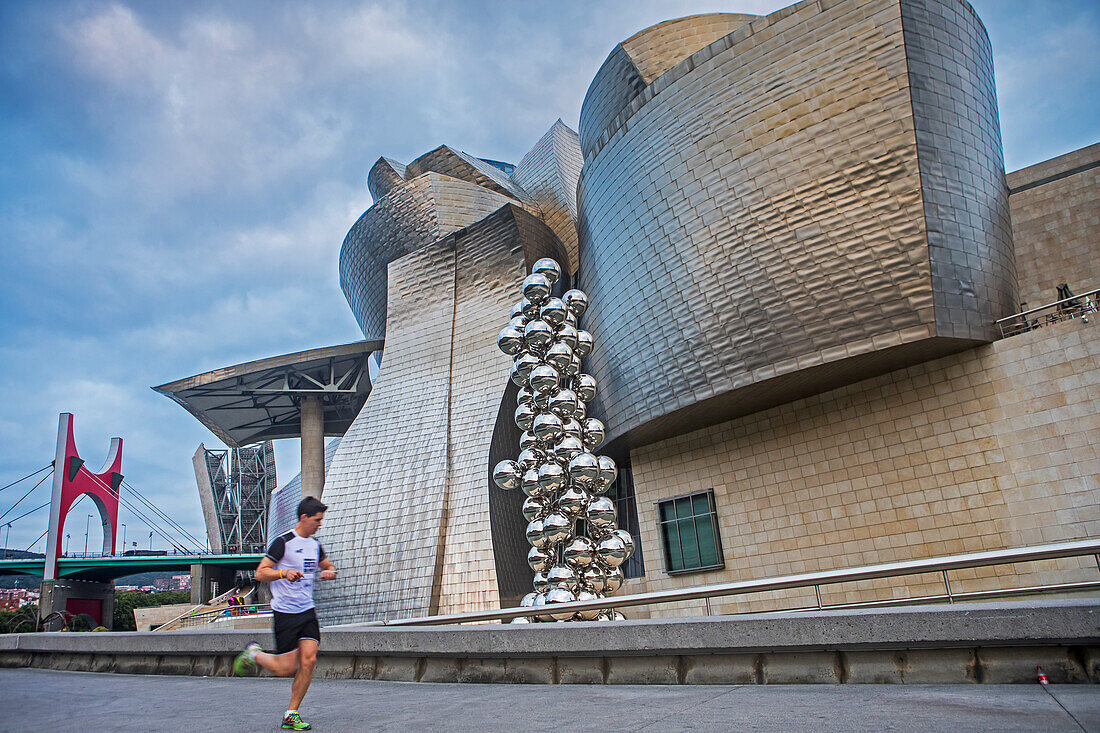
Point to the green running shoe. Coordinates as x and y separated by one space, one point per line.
295 722
245 663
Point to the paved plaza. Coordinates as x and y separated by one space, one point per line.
47 700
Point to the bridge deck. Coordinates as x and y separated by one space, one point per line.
109 568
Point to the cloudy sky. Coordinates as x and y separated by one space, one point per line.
176 180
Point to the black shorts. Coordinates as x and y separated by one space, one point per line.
290 627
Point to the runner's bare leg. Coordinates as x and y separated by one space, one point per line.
307 658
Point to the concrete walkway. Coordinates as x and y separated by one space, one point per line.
36 699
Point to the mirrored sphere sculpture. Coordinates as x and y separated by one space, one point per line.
576 548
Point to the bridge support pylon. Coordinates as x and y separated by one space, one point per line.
77 597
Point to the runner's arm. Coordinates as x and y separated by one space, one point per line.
328 570
267 572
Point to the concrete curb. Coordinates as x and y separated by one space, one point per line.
927 644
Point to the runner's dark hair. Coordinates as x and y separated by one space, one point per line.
309 506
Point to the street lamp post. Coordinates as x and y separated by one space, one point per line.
150 541
124 539
86 534
7 531
67 536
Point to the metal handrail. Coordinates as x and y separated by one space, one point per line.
803 580
189 613
1083 304
220 613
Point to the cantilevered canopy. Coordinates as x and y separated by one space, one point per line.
259 400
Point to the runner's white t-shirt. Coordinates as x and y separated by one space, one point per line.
291 551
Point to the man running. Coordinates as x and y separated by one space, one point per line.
289 566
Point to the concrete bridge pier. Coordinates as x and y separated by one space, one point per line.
203 578
77 597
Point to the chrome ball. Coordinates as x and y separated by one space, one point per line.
510 341
548 268
526 363
568 447
613 579
570 427
556 528
553 312
507 475
537 335
567 335
628 541
601 514
536 288
547 426
584 343
528 600
551 477
520 620
563 403
573 368
538 559
540 585
525 396
542 400
534 508
530 485
517 310
586 595
615 615
561 576
580 553
592 432
573 502
595 578
525 416
576 301
611 550
559 356
530 458
528 440
582 411
518 322
585 387
555 596
584 468
530 309
608 471
544 378
517 379
535 535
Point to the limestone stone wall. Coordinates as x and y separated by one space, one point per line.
1056 225
988 449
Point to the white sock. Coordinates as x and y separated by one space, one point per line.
288 712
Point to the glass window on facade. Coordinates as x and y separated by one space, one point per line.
689 530
626 509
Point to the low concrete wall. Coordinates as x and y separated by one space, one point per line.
972 643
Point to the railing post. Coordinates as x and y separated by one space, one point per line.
707 600
817 593
947 585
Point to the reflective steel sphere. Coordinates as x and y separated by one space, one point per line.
614 579
611 550
568 447
528 600
517 379
556 528
580 552
536 288
570 427
546 426
520 620
528 440
573 502
517 310
535 535
534 508
507 475
530 458
559 595
585 387
538 335
586 595
559 356
530 485
595 578
518 322
592 432
542 400
584 343
526 363
601 514
525 416
540 584
525 396
576 301
510 341
544 378
608 471
628 541
548 268
584 468
582 411
538 559
573 368
551 476
530 309
563 403
567 335
561 576
553 312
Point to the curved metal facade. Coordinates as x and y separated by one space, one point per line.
791 207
